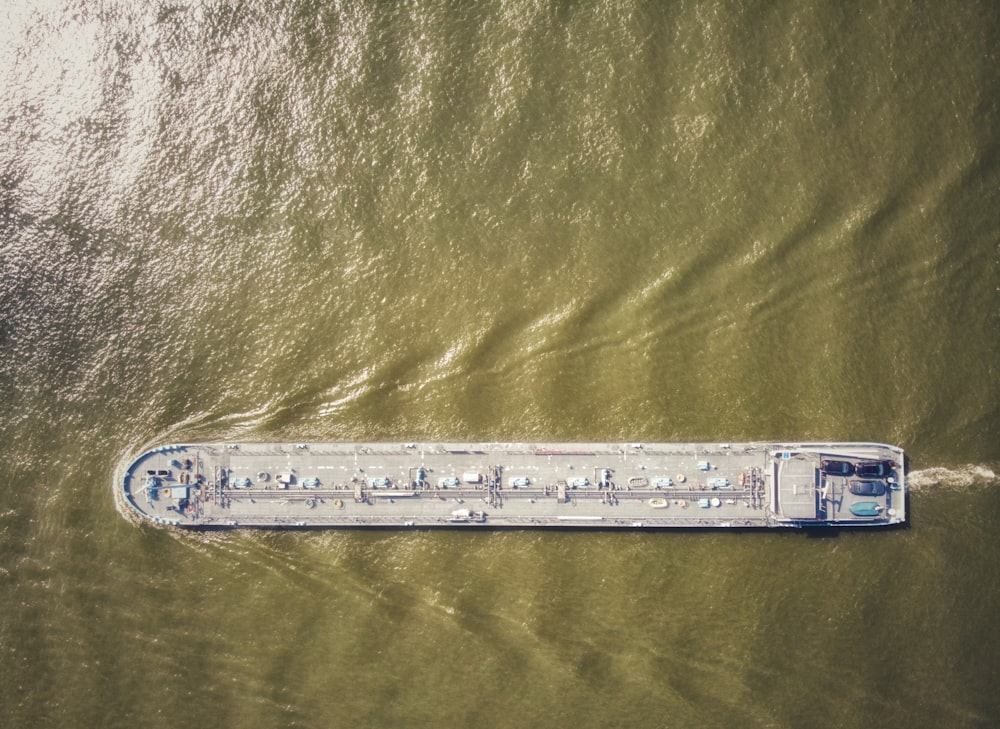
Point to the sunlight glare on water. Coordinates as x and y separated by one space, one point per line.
300 220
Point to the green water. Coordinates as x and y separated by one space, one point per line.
501 221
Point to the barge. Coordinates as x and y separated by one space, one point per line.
523 485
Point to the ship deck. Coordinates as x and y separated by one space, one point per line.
526 485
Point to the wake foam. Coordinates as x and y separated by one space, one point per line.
955 478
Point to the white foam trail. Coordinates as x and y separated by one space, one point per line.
940 477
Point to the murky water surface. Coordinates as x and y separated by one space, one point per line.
497 220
